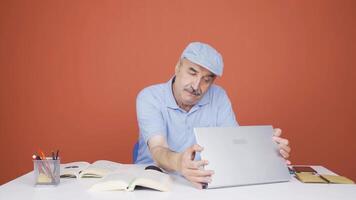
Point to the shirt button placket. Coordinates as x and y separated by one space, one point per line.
186 124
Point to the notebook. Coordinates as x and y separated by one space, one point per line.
242 155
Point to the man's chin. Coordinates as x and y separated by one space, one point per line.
191 101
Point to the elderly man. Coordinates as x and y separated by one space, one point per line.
168 112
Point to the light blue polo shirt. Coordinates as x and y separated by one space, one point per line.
159 114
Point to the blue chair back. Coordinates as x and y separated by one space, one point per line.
135 152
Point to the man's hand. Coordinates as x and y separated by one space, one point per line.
283 144
181 162
193 170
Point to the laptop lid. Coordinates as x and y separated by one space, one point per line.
241 155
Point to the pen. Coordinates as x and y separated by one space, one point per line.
45 164
57 153
42 155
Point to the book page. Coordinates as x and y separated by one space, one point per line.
127 177
114 181
99 169
152 179
73 169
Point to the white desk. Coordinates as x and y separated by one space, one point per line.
23 188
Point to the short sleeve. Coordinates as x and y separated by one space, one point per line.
149 115
226 115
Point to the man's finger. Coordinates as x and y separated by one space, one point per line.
197 164
277 132
191 151
280 140
285 148
197 185
199 173
199 179
197 148
284 153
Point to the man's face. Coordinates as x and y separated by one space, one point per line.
191 82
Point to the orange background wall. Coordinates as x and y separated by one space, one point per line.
70 72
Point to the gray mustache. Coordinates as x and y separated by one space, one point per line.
193 91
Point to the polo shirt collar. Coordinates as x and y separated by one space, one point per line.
171 102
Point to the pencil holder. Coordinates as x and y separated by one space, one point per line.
46 171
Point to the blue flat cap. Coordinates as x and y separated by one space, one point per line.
204 55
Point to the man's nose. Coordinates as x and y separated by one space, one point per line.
196 83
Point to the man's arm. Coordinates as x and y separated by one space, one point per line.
180 162
153 131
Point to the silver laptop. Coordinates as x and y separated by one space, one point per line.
242 155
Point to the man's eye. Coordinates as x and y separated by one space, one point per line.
192 73
207 79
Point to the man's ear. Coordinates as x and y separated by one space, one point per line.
178 65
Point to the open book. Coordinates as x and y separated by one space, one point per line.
116 176
127 179
81 169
